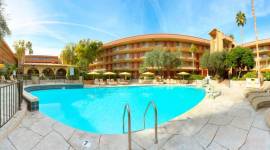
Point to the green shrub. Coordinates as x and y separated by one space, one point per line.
196 77
250 75
266 76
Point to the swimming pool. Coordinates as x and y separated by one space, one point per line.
100 109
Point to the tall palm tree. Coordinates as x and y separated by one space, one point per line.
21 47
258 66
4 30
193 49
241 21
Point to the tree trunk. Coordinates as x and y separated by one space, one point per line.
258 67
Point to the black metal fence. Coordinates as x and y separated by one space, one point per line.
10 100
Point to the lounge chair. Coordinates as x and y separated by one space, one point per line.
12 78
101 82
3 79
265 87
212 92
122 81
96 82
267 118
260 102
111 82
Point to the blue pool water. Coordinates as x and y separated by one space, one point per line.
100 110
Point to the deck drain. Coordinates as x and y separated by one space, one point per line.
86 144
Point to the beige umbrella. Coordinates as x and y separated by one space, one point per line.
125 74
109 74
2 66
148 74
183 74
93 73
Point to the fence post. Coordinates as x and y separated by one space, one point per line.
20 92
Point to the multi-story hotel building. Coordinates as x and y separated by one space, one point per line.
127 54
6 54
264 52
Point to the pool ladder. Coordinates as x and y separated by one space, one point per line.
127 110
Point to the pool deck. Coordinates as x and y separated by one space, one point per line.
228 122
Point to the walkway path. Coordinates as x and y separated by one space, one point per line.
227 122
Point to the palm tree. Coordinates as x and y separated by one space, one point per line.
193 49
241 21
258 67
21 47
4 30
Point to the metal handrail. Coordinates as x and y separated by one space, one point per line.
127 109
151 103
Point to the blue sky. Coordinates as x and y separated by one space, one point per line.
50 24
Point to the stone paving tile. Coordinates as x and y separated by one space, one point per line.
221 119
64 130
215 146
242 123
259 121
6 145
186 127
24 139
147 139
242 112
230 137
179 142
53 141
79 138
206 135
257 140
116 142
43 126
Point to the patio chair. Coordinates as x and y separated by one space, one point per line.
265 87
12 78
3 79
260 102
212 92
112 82
101 82
124 82
96 82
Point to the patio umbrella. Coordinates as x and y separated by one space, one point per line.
2 66
183 74
125 74
148 74
109 74
93 73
